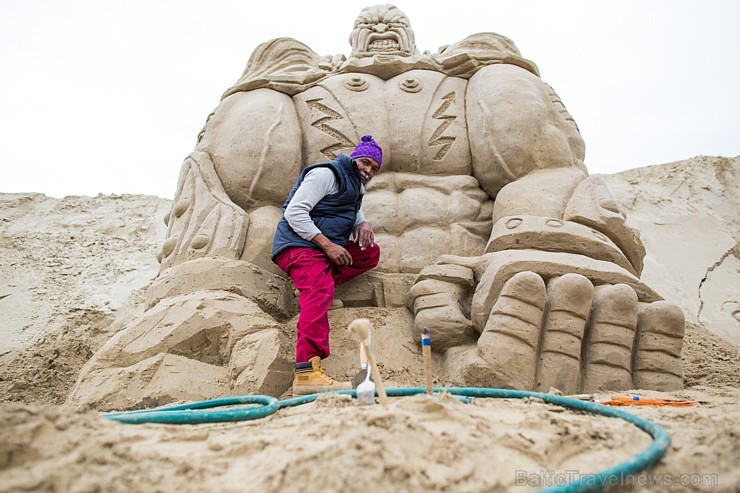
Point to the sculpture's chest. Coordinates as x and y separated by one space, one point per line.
418 118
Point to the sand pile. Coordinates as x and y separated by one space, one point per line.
75 270
687 214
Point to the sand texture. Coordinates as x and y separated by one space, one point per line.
76 270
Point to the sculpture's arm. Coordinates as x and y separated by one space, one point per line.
231 187
203 220
556 299
246 160
517 125
528 153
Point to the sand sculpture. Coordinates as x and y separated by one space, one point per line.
493 233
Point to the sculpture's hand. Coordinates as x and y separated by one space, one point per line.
547 326
440 301
575 337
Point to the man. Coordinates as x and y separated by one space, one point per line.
312 246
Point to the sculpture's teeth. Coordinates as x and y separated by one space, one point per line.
384 45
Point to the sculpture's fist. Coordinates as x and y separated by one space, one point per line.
553 329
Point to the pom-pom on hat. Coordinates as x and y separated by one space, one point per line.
368 148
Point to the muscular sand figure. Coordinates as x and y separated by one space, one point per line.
519 263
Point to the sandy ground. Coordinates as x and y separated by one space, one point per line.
75 271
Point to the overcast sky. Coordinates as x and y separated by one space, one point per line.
108 96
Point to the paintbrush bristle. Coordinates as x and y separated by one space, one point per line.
360 329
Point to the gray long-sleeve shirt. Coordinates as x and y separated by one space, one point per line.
317 184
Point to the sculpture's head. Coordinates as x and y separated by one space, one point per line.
382 29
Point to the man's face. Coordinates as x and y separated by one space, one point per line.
368 168
382 30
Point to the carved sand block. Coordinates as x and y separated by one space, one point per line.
162 378
209 331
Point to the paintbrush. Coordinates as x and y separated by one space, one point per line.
360 330
426 349
361 375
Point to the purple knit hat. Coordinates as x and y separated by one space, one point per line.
368 148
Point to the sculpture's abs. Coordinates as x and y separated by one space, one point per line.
425 203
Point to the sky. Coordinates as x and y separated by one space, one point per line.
108 96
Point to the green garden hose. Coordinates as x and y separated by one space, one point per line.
258 406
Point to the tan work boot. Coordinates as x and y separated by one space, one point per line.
310 378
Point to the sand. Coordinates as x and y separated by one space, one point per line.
75 271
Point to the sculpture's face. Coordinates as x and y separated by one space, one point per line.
382 29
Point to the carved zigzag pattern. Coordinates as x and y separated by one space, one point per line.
437 138
342 141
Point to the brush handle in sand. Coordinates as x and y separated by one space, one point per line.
426 351
376 377
363 355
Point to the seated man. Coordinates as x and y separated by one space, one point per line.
312 246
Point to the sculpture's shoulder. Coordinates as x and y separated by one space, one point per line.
285 65
291 67
387 66
461 59
464 58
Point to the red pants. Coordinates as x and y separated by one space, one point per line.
315 277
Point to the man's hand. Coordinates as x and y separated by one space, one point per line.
337 254
365 235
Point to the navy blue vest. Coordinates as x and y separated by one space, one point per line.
334 215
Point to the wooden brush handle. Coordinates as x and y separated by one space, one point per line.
427 353
376 377
363 355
